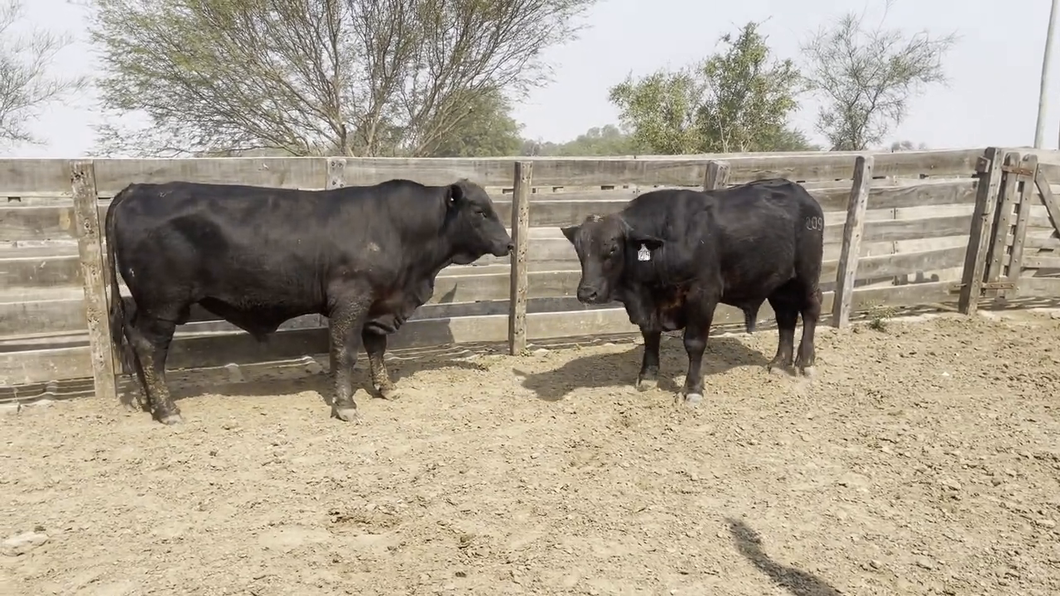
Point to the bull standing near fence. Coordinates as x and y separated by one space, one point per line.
364 256
672 255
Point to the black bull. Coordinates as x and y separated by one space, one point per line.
672 255
366 257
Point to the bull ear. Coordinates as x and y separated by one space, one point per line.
571 232
454 194
652 242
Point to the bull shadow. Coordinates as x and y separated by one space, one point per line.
797 582
620 369
291 377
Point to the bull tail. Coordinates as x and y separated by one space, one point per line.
117 303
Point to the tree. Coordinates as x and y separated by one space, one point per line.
751 96
26 88
737 100
489 130
347 77
866 78
907 146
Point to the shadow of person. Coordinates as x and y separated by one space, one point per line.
619 369
798 582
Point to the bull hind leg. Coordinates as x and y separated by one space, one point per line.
786 307
649 366
150 338
811 313
375 345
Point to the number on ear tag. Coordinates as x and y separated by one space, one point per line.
643 254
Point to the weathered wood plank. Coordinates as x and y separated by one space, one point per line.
1027 194
1052 206
979 235
852 232
1004 219
1039 287
915 229
35 223
112 175
519 278
553 209
905 263
34 176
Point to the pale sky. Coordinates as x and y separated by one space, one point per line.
640 36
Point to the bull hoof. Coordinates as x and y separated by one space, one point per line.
390 393
808 371
692 400
778 368
171 419
646 384
344 414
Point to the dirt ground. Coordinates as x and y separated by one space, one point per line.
923 459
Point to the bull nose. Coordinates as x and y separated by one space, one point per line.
587 294
511 247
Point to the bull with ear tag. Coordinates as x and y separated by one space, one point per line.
672 255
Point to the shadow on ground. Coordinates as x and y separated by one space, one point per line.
620 369
798 582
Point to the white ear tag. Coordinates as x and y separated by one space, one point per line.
643 254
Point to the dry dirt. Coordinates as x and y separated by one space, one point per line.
923 459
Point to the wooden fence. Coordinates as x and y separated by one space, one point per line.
901 229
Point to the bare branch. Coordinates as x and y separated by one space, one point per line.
26 87
352 77
866 78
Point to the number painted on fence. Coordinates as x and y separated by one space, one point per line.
815 223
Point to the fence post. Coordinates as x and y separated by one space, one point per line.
90 251
717 176
520 237
852 232
979 234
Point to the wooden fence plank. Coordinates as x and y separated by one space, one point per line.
1023 211
852 232
21 175
86 218
1052 207
1004 218
519 274
112 175
979 235
35 223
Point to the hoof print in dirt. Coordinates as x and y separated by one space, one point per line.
646 384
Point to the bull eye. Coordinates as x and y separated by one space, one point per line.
612 251
481 214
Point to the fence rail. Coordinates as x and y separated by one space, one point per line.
888 217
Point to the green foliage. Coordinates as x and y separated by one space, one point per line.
865 78
488 131
606 140
737 100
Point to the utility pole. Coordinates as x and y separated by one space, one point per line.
1040 129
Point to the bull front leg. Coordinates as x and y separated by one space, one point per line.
649 366
345 326
375 345
697 331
